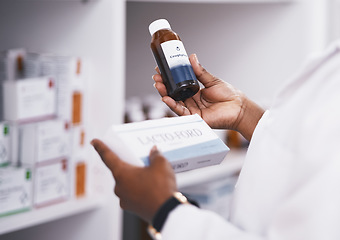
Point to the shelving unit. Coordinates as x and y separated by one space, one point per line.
95 29
38 216
212 1
90 30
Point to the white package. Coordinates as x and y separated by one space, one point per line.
29 99
187 142
12 64
70 82
15 190
4 143
51 183
44 141
79 162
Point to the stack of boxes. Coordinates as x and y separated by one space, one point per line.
42 141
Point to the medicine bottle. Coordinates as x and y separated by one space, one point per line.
172 60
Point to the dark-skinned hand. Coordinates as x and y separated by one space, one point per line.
141 190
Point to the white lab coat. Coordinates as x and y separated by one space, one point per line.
289 186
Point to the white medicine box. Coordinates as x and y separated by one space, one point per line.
79 162
12 64
4 143
187 142
30 99
51 183
44 141
15 190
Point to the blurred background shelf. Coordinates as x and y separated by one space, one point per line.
254 45
47 214
212 1
91 30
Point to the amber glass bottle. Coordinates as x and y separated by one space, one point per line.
172 60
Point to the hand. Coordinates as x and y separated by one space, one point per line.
218 103
142 190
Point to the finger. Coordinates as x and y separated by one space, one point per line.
156 157
157 78
192 105
176 107
157 70
161 89
159 85
111 160
201 73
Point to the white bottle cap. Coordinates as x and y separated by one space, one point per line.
158 25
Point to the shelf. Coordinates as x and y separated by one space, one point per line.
231 164
211 1
43 215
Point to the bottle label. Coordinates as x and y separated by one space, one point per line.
178 61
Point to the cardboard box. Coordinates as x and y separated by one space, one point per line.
80 179
79 162
44 141
12 64
68 73
187 142
11 68
5 141
15 190
29 100
51 183
69 81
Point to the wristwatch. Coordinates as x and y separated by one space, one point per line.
162 214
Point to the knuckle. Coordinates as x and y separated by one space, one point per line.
160 160
117 175
117 190
122 204
202 72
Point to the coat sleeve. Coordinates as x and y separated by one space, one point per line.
189 222
307 205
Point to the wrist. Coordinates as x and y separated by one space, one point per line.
249 117
162 214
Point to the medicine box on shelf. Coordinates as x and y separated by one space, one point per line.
79 161
51 183
31 99
4 143
44 141
12 64
15 190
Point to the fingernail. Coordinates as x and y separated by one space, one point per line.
153 77
91 142
154 85
196 59
154 149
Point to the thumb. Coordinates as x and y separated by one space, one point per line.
156 157
206 78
